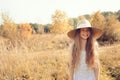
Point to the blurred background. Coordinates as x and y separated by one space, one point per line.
34 44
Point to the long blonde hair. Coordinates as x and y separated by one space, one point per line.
90 50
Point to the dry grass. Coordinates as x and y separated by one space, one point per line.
46 57
34 66
110 62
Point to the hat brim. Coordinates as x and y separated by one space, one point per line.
96 33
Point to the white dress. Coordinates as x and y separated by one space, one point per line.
83 72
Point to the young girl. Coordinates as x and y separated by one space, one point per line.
84 62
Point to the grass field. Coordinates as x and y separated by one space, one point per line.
46 57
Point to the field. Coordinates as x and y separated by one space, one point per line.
46 57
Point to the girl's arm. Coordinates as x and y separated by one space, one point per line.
72 71
97 67
97 71
71 62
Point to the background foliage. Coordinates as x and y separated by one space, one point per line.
33 51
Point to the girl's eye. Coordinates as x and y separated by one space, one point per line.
85 30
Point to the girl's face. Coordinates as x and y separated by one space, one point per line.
85 33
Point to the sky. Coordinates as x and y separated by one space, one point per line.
40 11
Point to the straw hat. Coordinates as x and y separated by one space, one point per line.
85 24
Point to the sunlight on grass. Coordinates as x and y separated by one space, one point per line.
48 58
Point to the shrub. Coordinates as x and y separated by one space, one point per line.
25 30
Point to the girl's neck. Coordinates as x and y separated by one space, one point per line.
83 44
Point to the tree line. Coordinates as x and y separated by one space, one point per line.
108 22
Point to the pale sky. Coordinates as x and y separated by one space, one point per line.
40 11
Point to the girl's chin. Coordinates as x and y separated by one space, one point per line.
84 38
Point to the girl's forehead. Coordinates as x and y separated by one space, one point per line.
84 28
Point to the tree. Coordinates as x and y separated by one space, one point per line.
34 27
25 30
71 21
97 20
8 27
111 29
118 14
47 28
60 22
76 20
9 30
87 16
108 13
40 29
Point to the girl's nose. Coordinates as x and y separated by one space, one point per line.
86 31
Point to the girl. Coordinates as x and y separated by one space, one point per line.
84 62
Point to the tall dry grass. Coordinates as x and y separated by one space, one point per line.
46 57
34 66
110 61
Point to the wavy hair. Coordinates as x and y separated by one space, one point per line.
90 50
